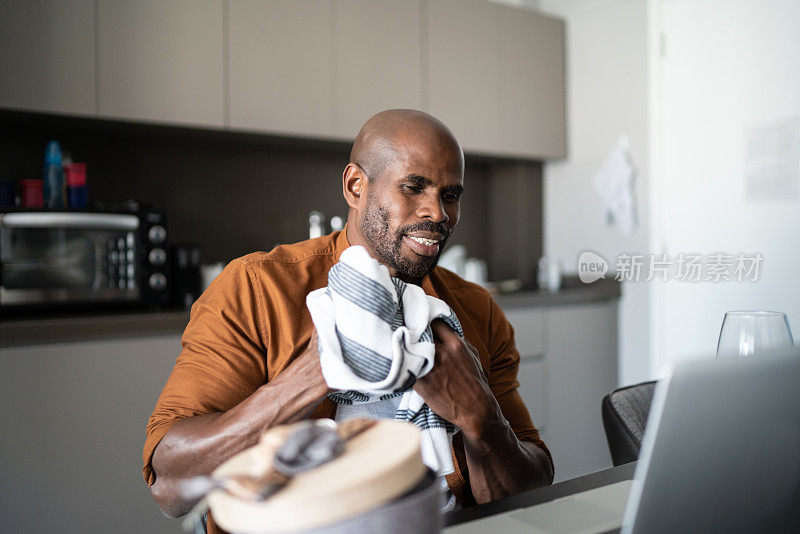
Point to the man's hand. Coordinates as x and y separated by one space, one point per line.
457 389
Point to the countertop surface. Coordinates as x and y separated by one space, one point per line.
573 291
33 330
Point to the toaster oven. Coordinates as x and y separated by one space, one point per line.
68 258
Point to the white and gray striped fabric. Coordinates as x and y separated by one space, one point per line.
375 340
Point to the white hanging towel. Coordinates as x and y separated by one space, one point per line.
614 183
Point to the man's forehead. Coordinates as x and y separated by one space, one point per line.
423 148
427 162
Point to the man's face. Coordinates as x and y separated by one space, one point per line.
411 209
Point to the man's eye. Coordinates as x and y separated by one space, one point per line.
412 188
451 198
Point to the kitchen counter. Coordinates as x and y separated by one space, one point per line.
90 327
119 325
573 291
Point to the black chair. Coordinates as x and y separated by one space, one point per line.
625 412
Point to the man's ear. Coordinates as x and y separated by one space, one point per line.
354 182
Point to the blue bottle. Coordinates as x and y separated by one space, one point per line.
53 176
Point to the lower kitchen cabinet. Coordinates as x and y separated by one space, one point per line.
533 381
568 363
73 417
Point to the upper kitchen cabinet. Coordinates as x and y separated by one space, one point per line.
303 68
532 114
281 66
161 61
495 75
462 71
47 56
378 64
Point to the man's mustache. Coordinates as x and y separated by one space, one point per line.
427 226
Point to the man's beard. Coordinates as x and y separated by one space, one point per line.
375 228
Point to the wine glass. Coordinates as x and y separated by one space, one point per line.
745 333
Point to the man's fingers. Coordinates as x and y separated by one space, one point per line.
442 333
438 327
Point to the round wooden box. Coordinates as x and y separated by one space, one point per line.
379 484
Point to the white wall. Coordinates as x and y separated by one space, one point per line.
607 97
681 79
726 63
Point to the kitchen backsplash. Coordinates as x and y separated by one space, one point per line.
237 193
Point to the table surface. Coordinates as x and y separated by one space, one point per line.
542 495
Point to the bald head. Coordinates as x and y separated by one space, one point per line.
388 134
403 186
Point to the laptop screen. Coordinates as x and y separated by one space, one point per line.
722 449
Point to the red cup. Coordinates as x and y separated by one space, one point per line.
76 174
32 194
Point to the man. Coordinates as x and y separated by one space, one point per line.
250 360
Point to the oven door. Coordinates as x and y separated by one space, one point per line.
54 258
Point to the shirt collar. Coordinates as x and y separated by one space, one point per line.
340 243
427 286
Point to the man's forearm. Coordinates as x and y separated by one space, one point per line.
196 446
500 464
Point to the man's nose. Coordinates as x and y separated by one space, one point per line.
432 208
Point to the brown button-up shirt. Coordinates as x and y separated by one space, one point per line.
252 322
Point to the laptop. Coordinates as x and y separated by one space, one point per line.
721 453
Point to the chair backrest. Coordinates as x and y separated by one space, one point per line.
625 412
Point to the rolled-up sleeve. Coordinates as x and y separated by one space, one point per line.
222 361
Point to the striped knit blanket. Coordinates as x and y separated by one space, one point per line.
375 340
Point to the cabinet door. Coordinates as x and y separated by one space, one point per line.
581 349
528 330
378 65
532 374
462 71
47 55
531 57
281 61
533 384
74 417
161 60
